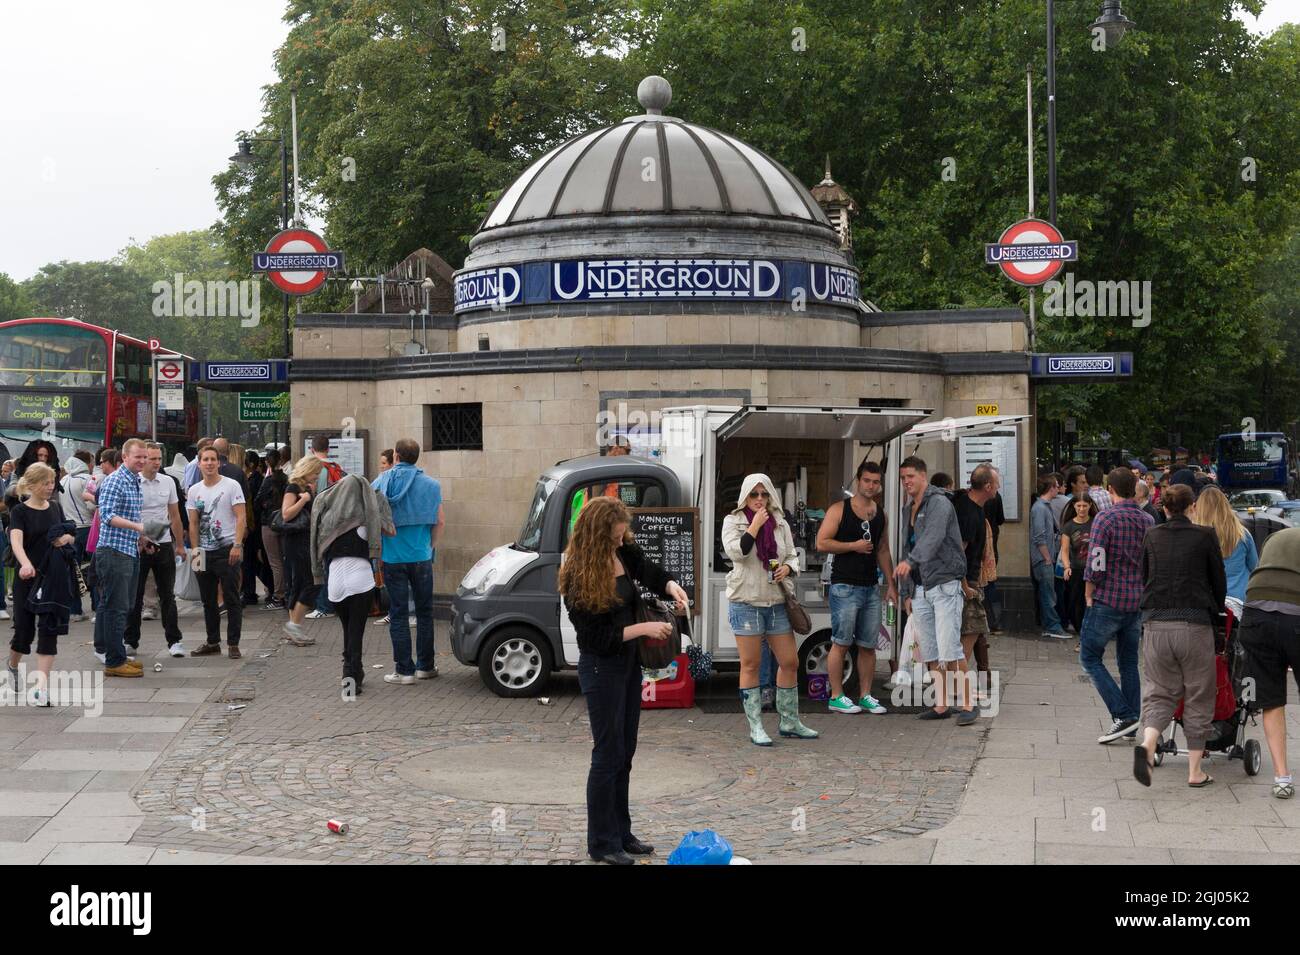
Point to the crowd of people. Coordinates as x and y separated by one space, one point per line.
320 542
1150 570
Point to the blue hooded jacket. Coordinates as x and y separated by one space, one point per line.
415 500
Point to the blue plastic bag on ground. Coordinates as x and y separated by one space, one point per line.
702 848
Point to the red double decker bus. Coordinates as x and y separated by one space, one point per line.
82 387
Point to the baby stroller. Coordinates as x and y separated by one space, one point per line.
1232 713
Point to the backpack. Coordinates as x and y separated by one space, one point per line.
335 472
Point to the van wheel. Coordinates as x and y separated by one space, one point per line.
813 656
515 662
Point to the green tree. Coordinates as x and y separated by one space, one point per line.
14 301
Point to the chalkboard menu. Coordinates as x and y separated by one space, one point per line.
670 537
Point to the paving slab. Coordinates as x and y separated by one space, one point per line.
1061 853
128 724
24 853
1211 857
98 853
88 759
1178 836
20 828
93 804
89 828
1089 830
188 857
27 803
46 780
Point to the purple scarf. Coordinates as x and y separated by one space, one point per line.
765 543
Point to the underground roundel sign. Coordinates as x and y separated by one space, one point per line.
1031 252
297 261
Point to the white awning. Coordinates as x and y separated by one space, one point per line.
951 428
867 425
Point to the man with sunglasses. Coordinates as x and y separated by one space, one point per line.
854 531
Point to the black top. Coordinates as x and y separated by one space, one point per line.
974 539
269 495
236 474
35 526
602 633
1182 569
625 613
347 544
861 570
1080 537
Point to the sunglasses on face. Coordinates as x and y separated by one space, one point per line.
759 494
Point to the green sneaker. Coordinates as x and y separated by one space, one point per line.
871 705
842 704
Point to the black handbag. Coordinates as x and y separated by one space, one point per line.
657 654
300 523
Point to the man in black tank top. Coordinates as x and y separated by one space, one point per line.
854 532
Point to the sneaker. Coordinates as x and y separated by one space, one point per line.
842 704
967 717
1118 730
123 670
40 697
399 678
383 619
890 684
101 657
293 633
221 610
148 615
426 674
206 650
75 618
4 614
871 705
319 615
273 605
1056 634
176 649
933 715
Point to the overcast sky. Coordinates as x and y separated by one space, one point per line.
117 115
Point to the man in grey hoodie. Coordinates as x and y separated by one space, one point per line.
930 573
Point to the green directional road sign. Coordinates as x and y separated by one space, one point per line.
260 407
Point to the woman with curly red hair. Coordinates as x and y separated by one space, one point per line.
598 578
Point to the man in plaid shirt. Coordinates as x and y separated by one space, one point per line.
117 557
1113 591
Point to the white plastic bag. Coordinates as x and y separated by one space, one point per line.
907 654
187 583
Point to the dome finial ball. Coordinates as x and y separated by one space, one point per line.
654 93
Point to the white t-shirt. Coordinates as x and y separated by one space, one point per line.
215 507
349 576
158 495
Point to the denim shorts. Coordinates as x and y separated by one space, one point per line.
748 620
938 612
855 615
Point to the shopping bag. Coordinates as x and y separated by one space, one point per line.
907 654
187 583
702 847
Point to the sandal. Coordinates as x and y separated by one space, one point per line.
1203 783
1283 790
1141 766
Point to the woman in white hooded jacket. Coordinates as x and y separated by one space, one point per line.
757 540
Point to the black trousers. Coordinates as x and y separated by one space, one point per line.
220 569
29 627
256 566
352 614
163 564
1076 603
612 687
297 565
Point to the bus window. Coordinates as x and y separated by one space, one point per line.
51 356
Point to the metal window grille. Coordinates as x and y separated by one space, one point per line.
455 427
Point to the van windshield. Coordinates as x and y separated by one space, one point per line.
530 538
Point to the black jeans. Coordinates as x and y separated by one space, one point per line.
221 570
612 686
297 564
353 613
256 567
163 564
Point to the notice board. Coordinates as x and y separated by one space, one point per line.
1000 448
670 536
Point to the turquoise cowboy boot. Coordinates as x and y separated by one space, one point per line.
753 700
787 704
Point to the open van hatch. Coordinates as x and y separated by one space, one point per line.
867 425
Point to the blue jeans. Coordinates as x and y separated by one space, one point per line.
117 574
1045 589
1101 625
855 615
404 583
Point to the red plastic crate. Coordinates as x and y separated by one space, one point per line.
676 693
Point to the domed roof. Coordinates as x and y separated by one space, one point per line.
654 164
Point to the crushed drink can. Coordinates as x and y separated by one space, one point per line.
337 826
157 668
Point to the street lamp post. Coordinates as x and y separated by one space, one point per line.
245 157
1114 24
